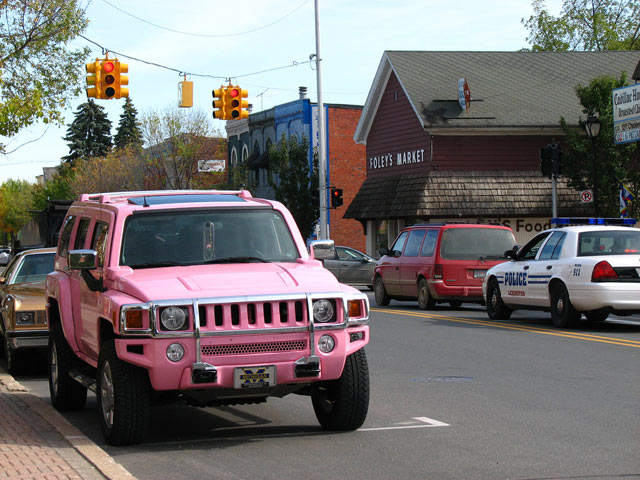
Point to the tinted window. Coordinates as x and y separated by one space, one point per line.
609 242
429 244
349 255
398 245
65 237
209 236
99 241
414 242
553 246
81 234
475 242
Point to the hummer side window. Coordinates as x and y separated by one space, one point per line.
99 241
65 237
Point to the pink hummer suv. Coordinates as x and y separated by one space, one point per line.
206 296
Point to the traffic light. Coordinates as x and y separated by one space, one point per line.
111 79
551 160
235 104
219 103
336 197
93 79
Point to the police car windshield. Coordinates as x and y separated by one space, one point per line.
476 242
609 242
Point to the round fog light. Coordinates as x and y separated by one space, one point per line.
326 343
175 352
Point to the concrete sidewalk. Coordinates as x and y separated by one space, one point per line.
36 442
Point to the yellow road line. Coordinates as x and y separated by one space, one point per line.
510 326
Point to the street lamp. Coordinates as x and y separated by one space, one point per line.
592 127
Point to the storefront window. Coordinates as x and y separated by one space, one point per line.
382 241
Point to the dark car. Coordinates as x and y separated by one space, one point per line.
351 266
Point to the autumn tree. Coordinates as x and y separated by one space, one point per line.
295 183
89 135
174 141
585 25
128 132
39 71
614 163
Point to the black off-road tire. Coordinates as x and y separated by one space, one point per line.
66 394
124 398
425 300
380 293
342 404
563 314
496 309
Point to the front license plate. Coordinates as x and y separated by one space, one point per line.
479 273
254 377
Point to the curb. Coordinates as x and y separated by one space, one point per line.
91 452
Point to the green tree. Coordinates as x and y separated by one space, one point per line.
89 134
585 25
295 184
58 188
39 73
16 206
128 132
614 162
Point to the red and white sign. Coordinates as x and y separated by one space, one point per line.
586 196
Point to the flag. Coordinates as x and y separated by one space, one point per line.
626 197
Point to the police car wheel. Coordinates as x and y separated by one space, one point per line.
563 314
496 309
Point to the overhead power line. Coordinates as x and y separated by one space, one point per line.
206 35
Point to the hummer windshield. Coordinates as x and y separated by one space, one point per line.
193 237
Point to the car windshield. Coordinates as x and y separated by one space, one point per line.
34 268
475 242
205 237
609 242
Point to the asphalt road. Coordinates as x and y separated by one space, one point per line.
453 396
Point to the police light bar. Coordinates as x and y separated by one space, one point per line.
592 221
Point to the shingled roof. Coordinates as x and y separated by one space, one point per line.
509 90
477 194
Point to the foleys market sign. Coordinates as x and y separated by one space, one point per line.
400 158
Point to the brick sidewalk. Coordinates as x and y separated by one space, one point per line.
36 442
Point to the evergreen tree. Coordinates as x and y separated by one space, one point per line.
89 135
128 132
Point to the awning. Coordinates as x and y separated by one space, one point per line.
446 194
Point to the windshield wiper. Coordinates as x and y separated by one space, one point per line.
156 265
237 260
490 257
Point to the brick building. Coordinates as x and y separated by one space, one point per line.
430 159
249 141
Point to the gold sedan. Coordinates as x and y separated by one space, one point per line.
22 304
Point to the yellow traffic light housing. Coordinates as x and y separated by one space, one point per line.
219 103
236 105
121 79
93 79
111 79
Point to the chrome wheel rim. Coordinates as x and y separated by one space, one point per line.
560 305
106 395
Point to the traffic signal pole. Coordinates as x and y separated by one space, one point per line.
322 159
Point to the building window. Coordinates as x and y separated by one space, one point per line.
382 241
234 157
245 153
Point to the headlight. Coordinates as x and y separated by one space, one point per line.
25 318
323 310
175 352
173 318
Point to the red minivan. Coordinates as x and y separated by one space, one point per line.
440 262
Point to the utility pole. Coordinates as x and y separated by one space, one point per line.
322 159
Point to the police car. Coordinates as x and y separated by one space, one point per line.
583 266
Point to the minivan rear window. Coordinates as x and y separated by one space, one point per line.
475 243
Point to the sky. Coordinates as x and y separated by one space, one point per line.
264 46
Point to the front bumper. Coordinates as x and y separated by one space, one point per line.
28 339
286 342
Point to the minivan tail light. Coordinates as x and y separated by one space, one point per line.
437 271
603 271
